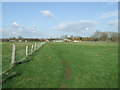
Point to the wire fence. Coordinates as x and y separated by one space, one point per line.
18 52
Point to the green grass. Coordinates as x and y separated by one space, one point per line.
69 65
7 52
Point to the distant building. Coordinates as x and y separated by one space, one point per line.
46 40
59 40
12 40
20 40
66 40
76 41
26 41
62 40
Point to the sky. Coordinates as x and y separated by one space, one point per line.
53 19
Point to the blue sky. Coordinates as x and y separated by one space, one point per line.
53 19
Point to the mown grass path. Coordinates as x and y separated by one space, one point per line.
69 65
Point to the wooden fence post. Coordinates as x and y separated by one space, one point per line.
13 55
26 50
35 46
32 49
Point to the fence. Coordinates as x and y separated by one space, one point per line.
22 53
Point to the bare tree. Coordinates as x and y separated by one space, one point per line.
105 36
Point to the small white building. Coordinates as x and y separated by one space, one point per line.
26 41
20 40
67 40
76 41
57 40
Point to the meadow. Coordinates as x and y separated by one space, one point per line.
7 52
64 65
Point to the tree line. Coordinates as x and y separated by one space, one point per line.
105 36
96 36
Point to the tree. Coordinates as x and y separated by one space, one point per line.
13 38
103 36
114 36
20 37
63 36
96 35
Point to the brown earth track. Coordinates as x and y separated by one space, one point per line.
66 70
66 73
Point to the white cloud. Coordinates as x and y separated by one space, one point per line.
82 25
109 14
113 23
21 30
80 28
46 13
15 24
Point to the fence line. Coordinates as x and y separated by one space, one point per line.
13 55
35 46
33 49
26 50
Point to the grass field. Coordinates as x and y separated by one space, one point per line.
67 65
7 52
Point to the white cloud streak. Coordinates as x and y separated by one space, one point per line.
46 13
15 24
21 30
82 27
76 25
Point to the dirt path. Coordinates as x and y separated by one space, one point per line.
66 70
66 73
